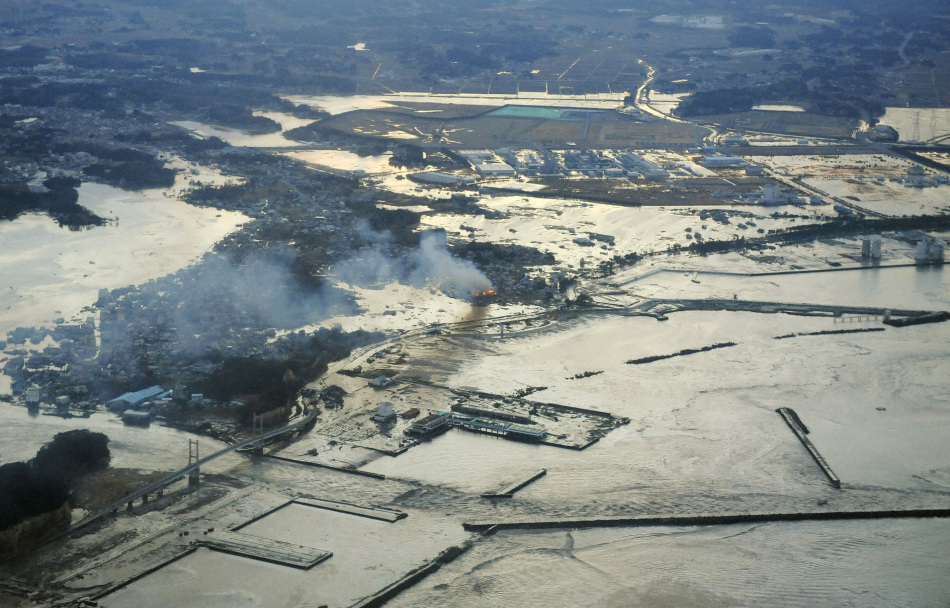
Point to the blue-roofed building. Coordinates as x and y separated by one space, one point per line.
137 398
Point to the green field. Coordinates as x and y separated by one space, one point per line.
529 112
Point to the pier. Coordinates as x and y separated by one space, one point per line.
377 513
265 550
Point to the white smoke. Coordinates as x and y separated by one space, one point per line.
429 266
261 291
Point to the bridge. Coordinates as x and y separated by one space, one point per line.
158 487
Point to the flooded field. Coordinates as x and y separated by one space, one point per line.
236 137
665 102
869 165
919 124
53 272
342 160
778 108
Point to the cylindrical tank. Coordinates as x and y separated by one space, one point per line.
936 252
876 248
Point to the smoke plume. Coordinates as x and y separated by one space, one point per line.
429 266
260 292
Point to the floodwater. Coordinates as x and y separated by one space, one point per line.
703 438
236 137
156 448
342 160
665 102
552 225
807 564
704 425
888 197
367 555
918 124
778 108
924 288
49 272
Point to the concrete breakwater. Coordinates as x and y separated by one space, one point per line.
377 513
821 270
830 332
699 520
794 422
509 490
320 465
681 353
390 591
934 317
786 308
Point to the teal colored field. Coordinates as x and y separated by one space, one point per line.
529 112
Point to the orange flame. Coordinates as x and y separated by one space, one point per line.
486 294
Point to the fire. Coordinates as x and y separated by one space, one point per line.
486 294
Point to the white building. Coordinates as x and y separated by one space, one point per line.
719 160
772 196
385 413
494 169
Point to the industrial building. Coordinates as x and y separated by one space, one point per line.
491 426
773 196
430 426
136 398
495 169
719 160
136 418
